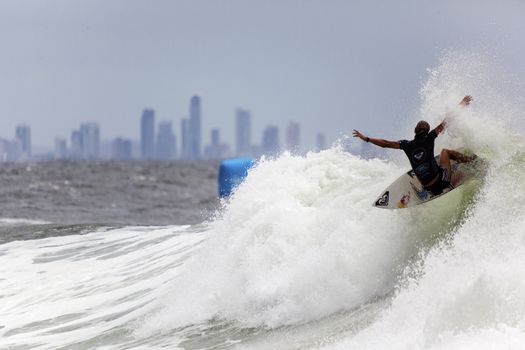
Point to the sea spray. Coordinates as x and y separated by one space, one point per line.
472 287
299 241
469 292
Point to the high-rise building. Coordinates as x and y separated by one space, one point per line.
195 127
147 134
215 137
23 135
136 151
211 151
243 125
293 137
270 141
320 141
216 149
186 138
4 150
90 134
166 141
60 148
76 145
121 149
10 151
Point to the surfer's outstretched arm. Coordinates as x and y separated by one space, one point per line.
378 142
464 102
439 129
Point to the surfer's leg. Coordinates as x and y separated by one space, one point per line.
444 159
457 156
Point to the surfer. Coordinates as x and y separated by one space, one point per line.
420 152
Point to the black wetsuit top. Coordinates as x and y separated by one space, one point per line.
420 152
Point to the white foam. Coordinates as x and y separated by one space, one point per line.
298 241
469 293
18 222
64 291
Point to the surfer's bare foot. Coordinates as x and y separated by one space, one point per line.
467 159
472 158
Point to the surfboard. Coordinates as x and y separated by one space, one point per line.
408 192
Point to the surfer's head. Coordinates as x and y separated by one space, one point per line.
422 128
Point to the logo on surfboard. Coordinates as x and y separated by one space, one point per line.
403 202
383 200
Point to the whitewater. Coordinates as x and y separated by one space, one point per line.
298 258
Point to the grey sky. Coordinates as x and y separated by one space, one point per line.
330 65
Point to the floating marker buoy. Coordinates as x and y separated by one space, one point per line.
231 173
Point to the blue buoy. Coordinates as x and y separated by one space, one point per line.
231 173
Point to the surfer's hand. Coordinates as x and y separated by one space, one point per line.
358 134
466 100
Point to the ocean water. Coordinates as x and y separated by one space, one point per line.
297 258
110 193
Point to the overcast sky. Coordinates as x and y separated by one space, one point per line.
330 65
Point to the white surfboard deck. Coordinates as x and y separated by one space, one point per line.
408 192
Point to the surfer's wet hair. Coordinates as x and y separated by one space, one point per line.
422 128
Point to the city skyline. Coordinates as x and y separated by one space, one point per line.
159 140
311 141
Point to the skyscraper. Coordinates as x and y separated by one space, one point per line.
166 141
215 137
121 149
76 145
147 134
4 150
60 148
212 151
293 137
270 141
90 135
320 141
195 127
186 138
216 149
23 135
10 151
243 125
